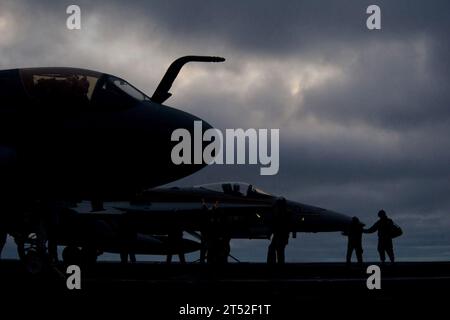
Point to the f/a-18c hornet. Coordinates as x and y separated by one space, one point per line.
212 213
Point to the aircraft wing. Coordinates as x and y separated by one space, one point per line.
160 217
184 206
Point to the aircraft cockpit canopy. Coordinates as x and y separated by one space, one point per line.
79 88
241 189
128 88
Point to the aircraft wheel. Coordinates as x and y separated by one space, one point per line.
31 253
34 262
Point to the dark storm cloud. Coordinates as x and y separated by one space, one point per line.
390 86
284 26
364 116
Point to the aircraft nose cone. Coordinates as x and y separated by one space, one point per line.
171 119
336 221
190 122
166 131
313 219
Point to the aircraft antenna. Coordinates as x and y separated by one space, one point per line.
162 93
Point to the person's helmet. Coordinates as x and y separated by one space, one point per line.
355 220
382 213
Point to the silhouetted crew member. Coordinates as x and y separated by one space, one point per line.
224 239
127 238
3 236
280 237
354 234
44 221
5 225
97 205
53 221
218 237
125 255
175 241
384 226
204 232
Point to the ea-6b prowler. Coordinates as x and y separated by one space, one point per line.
70 133
74 134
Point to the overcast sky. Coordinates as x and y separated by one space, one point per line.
364 116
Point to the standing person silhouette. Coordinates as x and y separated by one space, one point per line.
175 241
280 237
128 237
204 231
3 236
384 227
218 236
354 235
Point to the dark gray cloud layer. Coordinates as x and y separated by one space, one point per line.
364 116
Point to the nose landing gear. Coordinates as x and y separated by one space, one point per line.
32 251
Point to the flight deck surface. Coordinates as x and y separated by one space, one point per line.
287 288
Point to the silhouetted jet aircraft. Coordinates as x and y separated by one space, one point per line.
70 133
248 210
141 226
86 235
